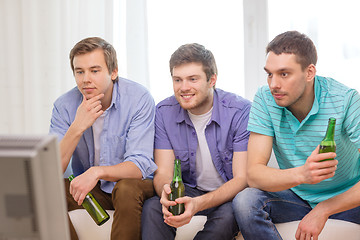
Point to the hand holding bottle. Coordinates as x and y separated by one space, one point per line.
315 170
98 214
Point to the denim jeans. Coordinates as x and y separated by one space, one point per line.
257 211
220 224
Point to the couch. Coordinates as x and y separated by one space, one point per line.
87 229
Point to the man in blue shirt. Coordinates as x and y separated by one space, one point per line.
105 126
205 128
291 116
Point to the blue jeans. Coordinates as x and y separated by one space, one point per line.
220 224
257 211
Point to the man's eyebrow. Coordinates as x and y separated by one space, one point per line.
96 66
92 67
278 70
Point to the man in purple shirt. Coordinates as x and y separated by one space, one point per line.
205 128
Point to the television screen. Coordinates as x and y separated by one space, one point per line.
32 196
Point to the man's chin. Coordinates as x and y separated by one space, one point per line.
281 103
186 106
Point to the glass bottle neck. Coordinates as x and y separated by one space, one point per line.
177 171
330 129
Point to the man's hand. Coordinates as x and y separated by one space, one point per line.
311 226
179 220
88 111
315 171
82 185
182 219
165 202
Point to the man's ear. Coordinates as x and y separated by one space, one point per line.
212 80
114 74
310 72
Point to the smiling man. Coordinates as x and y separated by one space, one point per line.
205 128
290 115
105 126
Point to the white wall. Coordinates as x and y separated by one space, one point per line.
36 38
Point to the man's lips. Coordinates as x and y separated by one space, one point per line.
187 96
88 89
278 95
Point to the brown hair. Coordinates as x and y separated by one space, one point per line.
194 52
90 44
295 43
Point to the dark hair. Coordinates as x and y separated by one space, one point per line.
194 52
90 44
295 43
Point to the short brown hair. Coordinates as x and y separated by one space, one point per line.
90 44
194 52
295 43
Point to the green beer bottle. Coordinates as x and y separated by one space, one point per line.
328 143
177 189
92 206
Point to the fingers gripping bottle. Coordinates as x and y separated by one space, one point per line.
92 206
328 143
177 189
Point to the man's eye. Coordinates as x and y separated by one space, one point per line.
284 74
79 72
270 75
193 79
95 71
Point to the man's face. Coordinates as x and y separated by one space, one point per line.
286 80
191 88
92 75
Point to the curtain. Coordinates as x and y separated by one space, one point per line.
36 38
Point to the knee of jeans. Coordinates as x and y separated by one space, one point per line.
151 206
126 189
246 200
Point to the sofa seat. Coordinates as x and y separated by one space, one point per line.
87 229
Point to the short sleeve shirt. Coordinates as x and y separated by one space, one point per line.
293 141
225 133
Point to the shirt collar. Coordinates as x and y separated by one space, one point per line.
114 95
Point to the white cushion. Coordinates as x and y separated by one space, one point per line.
333 230
87 229
189 230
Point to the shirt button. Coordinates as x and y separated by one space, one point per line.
192 154
193 133
226 158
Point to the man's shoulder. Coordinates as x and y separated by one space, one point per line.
69 98
168 103
332 86
231 100
130 87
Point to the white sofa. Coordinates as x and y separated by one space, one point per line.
88 230
333 230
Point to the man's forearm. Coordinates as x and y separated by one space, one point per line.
342 202
221 195
116 172
272 179
159 182
68 145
